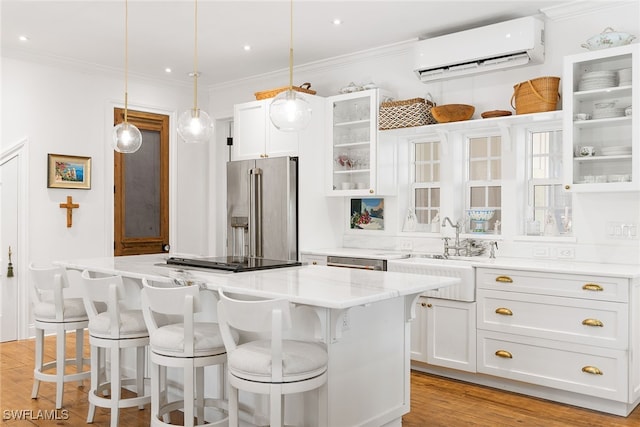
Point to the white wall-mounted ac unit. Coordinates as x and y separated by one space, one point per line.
478 50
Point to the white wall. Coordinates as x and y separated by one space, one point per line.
64 110
391 68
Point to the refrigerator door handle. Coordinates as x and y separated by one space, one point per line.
255 206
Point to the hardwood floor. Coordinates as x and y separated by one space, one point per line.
435 401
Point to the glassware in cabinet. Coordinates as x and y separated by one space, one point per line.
353 148
601 130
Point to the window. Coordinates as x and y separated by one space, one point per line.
426 183
548 205
483 186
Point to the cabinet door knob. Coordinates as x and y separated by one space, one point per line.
423 304
592 370
371 191
429 305
504 279
592 287
504 354
504 311
314 263
567 187
592 322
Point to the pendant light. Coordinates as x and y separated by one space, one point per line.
126 137
289 111
195 125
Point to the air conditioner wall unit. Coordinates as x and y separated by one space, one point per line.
506 44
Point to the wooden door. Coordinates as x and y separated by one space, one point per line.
141 188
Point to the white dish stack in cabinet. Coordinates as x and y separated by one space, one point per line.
357 165
595 96
576 333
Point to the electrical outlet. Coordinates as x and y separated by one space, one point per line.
406 246
541 252
566 253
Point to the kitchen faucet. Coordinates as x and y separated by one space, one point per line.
471 247
456 244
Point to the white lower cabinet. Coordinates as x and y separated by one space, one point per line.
444 334
565 331
313 259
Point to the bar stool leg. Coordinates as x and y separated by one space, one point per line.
79 353
140 373
95 380
233 406
115 385
60 363
38 362
188 396
200 394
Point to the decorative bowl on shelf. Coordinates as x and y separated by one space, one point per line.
452 112
480 214
608 38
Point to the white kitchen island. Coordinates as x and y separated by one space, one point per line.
362 316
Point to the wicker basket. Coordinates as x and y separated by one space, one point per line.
536 95
304 87
406 113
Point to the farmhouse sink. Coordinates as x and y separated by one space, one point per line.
460 267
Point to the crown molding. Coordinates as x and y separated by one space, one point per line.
581 7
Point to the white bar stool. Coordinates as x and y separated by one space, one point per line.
179 341
272 366
52 311
113 328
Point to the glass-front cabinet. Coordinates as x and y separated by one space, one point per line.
353 163
600 89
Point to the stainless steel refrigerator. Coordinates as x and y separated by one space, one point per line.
262 208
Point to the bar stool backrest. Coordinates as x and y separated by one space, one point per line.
104 293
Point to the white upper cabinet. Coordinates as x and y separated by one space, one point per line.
355 164
601 138
256 137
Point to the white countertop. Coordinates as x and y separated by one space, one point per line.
330 287
358 253
545 265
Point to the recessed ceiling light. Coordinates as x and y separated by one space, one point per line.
23 38
167 70
337 21
247 47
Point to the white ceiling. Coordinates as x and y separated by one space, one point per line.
161 32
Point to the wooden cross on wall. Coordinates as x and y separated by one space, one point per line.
69 206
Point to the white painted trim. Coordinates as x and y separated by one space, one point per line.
21 151
108 171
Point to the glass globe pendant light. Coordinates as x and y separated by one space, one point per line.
126 136
195 125
289 111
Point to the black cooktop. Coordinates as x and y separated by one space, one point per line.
233 264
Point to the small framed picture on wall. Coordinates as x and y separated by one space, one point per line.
68 171
367 214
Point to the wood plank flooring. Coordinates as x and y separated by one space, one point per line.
435 401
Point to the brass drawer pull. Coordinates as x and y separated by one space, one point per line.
504 311
592 287
592 370
592 322
505 354
504 279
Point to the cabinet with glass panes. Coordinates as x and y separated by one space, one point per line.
600 125
356 164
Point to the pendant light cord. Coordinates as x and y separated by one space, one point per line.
291 46
126 58
195 60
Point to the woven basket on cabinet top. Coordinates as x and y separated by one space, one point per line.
536 95
406 113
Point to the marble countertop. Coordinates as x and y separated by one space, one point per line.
329 287
544 265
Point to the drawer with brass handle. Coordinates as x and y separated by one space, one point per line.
615 289
593 371
596 323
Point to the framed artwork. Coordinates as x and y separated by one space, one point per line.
68 172
367 214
